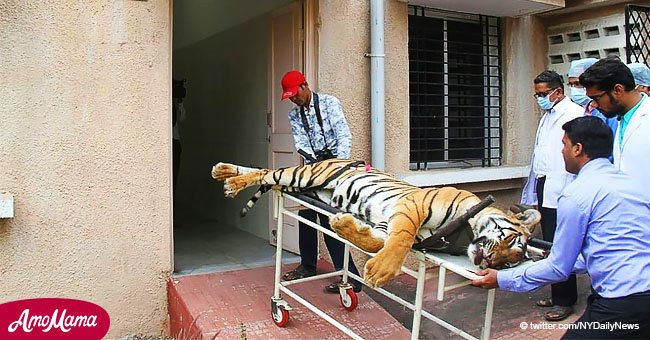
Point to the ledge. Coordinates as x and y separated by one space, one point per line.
440 177
6 205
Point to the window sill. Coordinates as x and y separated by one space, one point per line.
441 177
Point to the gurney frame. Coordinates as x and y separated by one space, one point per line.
280 308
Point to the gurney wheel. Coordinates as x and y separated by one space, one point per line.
350 301
281 317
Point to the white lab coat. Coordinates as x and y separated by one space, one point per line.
557 177
634 158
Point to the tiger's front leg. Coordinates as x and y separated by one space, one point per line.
403 225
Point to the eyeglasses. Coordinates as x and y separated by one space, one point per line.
575 84
597 98
545 94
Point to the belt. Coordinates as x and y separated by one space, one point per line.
597 296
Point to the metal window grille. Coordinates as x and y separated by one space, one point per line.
454 89
637 34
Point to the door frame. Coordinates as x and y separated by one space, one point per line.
308 61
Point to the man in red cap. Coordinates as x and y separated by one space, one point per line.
320 132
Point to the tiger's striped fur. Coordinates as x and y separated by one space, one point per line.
402 214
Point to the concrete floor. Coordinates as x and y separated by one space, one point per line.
229 254
232 304
237 305
465 307
207 247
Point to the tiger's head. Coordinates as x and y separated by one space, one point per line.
501 239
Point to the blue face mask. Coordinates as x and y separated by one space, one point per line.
579 96
545 103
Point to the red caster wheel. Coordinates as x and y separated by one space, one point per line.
350 301
280 316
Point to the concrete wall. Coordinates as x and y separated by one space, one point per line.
524 55
226 104
344 71
588 9
85 149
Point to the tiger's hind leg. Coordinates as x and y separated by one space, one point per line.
236 177
223 171
302 177
361 235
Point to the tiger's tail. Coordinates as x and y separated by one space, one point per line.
256 196
263 189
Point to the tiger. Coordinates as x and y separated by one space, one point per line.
401 214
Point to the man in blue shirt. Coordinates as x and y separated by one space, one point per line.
603 229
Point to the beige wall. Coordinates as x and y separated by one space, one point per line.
589 9
85 149
344 71
524 56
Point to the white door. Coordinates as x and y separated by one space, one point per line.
287 54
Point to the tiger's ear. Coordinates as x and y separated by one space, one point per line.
530 218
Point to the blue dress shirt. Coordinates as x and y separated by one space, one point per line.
611 122
603 217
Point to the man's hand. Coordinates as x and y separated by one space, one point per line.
488 281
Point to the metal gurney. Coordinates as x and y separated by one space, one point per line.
457 264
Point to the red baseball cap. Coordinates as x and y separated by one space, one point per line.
290 83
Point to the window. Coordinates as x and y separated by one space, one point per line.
455 89
637 49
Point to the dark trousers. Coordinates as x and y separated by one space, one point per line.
308 243
633 310
562 293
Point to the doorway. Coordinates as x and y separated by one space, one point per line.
227 51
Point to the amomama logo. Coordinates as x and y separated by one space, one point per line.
53 318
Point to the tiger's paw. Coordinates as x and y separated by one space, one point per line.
349 228
382 268
232 186
343 224
223 171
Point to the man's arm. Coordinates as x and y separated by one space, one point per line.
300 138
580 267
567 244
340 127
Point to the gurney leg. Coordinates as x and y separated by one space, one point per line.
346 261
442 275
485 333
419 296
278 247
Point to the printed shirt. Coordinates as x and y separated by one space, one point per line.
604 228
338 138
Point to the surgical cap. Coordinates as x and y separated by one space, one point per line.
580 66
641 73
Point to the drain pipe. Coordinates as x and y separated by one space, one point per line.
377 96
